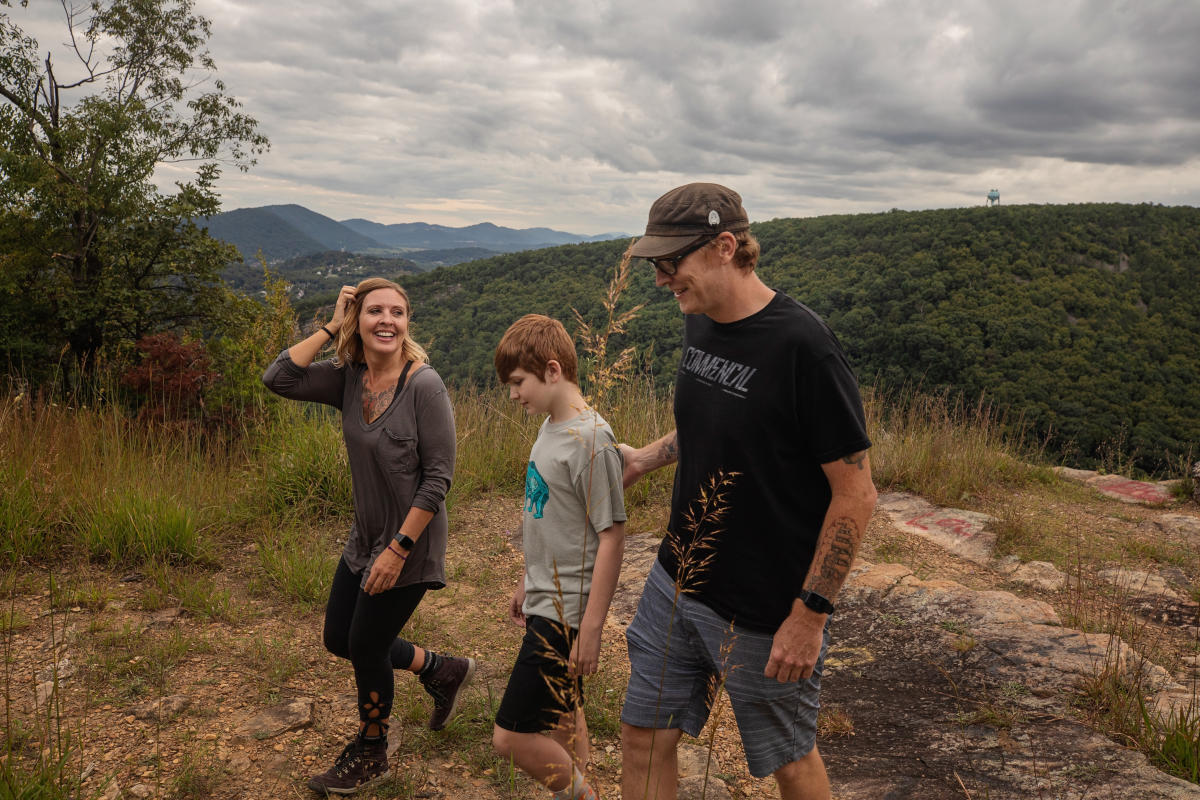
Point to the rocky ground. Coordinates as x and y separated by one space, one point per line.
954 674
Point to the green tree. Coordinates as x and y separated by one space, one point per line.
92 253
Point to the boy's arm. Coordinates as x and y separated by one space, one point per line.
585 653
515 614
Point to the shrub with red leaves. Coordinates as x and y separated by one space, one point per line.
171 376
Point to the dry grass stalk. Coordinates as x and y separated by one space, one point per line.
693 558
701 522
604 375
716 682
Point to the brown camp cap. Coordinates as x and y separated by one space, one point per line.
690 214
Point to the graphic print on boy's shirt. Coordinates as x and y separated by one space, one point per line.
536 491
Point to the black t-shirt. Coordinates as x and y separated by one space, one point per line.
762 402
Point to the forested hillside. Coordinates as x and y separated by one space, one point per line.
318 273
1084 320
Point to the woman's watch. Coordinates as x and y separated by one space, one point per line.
816 602
405 541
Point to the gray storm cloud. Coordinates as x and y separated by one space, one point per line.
576 116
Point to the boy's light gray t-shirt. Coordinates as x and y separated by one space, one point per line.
572 490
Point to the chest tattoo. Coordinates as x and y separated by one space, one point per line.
375 403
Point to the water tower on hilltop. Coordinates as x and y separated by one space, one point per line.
994 197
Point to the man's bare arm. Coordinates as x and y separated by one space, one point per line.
845 523
796 646
646 459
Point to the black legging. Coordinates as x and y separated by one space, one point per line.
364 628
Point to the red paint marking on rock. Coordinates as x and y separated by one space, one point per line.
1131 491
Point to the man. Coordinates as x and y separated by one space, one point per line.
772 495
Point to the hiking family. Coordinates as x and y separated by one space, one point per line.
769 425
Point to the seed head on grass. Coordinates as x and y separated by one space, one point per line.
604 376
702 524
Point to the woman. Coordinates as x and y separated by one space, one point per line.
399 434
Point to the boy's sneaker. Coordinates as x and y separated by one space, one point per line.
359 763
585 793
445 685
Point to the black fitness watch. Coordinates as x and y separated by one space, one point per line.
816 602
405 541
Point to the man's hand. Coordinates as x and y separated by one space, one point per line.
585 654
797 645
515 614
384 572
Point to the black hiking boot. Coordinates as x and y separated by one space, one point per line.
360 763
445 684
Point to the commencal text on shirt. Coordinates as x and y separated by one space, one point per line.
730 375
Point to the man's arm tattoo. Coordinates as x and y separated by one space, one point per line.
835 565
669 452
856 458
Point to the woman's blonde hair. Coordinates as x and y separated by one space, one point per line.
349 344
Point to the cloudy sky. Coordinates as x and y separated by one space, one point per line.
576 116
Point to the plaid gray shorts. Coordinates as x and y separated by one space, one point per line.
673 681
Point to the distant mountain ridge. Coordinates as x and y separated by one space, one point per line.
289 231
425 236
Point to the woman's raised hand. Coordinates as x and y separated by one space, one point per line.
345 298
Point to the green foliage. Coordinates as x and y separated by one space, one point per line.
1174 739
29 504
136 527
24 526
942 449
46 777
94 254
1073 320
197 592
94 481
305 472
199 776
494 437
297 567
255 334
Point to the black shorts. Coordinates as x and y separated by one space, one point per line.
539 688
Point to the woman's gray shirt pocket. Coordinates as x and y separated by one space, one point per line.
398 452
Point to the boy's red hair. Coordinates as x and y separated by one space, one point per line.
531 343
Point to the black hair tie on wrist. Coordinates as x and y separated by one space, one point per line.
328 332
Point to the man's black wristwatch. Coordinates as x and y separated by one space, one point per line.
405 541
816 602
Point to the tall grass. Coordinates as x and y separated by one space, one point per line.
299 468
94 479
943 448
130 528
41 760
297 565
494 437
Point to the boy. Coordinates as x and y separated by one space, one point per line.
573 535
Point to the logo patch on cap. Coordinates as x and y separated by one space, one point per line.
714 218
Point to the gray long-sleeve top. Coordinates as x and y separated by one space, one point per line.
403 458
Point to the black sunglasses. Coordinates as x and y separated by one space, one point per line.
669 265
